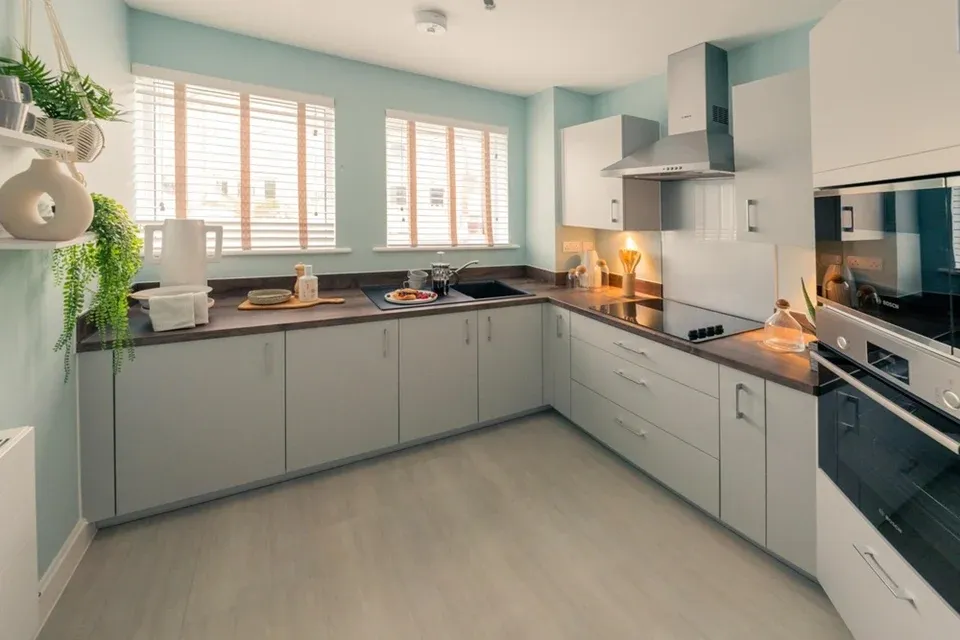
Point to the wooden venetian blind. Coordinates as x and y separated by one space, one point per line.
446 183
261 166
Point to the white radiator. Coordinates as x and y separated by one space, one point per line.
18 536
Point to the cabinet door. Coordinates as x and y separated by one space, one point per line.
556 358
743 466
197 417
773 179
590 200
511 361
792 476
342 392
884 66
438 374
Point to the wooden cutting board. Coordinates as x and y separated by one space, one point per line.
292 303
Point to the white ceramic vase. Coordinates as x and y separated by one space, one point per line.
20 195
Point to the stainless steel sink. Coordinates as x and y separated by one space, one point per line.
487 289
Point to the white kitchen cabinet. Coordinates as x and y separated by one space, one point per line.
743 464
556 358
791 476
342 392
510 361
774 186
438 374
616 204
197 417
885 87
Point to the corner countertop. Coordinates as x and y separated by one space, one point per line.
744 351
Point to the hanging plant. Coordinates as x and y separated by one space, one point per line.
112 260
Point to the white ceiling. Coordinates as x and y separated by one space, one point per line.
522 47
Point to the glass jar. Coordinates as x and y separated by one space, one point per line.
782 332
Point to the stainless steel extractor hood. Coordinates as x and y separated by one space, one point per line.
698 144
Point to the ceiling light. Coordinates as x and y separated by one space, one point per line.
489 5
432 22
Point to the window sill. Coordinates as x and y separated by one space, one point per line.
288 252
499 247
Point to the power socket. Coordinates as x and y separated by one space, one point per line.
572 246
865 263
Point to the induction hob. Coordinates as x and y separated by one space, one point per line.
677 319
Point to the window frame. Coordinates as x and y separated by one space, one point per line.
484 128
176 76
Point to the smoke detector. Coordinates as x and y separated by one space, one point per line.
431 22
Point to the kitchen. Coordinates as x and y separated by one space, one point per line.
242 395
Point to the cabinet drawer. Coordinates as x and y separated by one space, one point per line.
686 413
667 361
862 574
685 469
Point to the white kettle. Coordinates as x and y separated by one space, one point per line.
183 250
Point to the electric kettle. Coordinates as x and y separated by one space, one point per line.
183 250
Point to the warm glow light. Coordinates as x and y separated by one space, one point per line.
631 245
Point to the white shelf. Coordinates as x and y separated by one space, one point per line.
16 244
11 138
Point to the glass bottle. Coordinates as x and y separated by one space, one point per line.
782 332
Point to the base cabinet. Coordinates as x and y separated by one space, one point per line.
743 443
556 358
194 418
438 374
342 392
510 354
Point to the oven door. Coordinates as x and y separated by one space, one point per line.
897 460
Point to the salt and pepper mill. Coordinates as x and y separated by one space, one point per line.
300 269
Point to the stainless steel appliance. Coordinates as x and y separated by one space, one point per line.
889 254
699 144
677 319
889 438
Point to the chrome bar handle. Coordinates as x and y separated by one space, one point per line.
625 376
467 325
386 342
623 425
740 387
870 557
626 347
614 204
489 328
750 208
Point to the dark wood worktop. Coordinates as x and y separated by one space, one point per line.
743 351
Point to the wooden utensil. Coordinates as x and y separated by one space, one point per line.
292 303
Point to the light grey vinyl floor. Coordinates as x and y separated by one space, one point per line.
527 530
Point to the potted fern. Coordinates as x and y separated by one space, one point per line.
112 260
71 102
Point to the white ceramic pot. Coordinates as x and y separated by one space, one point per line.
183 251
20 195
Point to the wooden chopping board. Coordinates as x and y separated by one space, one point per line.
292 303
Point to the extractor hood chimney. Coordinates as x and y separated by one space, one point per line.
698 144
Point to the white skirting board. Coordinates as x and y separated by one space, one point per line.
55 580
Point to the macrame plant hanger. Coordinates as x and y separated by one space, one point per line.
86 136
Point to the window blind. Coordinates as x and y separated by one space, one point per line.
446 184
260 166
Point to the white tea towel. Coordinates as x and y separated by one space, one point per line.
172 312
201 313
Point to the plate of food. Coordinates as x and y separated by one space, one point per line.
410 296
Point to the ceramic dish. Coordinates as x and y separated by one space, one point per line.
266 297
145 305
430 297
146 294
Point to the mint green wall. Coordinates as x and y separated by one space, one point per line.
32 390
541 180
362 92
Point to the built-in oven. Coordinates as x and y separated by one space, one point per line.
890 253
889 438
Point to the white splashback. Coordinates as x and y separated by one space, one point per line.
734 277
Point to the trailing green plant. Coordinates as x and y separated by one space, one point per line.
112 260
59 95
811 308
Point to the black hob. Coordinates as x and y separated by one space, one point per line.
680 320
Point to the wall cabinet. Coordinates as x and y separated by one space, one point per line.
194 418
743 463
438 374
885 86
773 181
342 390
556 358
616 204
510 361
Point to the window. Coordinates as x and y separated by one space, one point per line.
261 166
955 223
446 183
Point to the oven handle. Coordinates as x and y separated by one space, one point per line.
906 416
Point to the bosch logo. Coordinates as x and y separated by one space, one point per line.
892 305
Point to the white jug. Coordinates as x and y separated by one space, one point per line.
183 250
